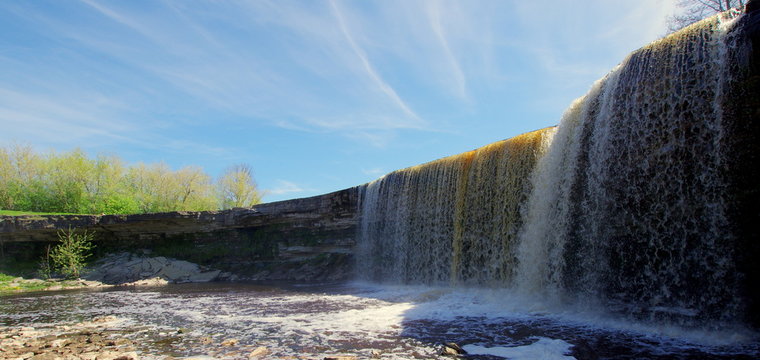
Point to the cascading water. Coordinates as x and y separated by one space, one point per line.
453 220
631 206
627 205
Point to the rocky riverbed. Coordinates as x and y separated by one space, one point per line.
90 340
112 338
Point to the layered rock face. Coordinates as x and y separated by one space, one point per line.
309 238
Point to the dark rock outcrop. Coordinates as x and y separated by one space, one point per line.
300 239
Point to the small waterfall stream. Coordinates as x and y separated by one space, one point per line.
625 206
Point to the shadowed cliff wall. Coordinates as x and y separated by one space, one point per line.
309 238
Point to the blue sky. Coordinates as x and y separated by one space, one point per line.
316 96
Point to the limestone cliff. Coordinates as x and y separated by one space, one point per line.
309 238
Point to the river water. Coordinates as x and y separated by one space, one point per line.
389 322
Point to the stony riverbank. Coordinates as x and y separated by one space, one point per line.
92 340
15 285
112 338
122 269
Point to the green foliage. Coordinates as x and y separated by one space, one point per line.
159 189
70 255
11 284
117 204
21 212
71 182
237 187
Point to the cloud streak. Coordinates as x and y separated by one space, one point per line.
284 187
434 13
370 84
384 87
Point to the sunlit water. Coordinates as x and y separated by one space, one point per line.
404 322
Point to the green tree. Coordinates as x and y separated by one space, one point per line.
158 189
193 189
70 255
22 179
72 182
149 184
6 171
67 177
237 188
108 188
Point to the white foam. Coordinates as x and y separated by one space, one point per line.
544 348
397 320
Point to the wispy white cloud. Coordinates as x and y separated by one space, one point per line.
283 187
124 20
381 84
434 15
317 67
371 72
216 68
377 138
374 172
576 46
58 118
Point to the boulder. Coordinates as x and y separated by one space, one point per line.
452 349
207 276
259 352
131 269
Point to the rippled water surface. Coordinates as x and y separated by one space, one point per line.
313 321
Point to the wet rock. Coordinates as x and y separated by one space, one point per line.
115 355
178 271
139 270
104 319
86 340
452 349
88 355
128 356
59 343
259 352
230 342
156 281
227 276
45 357
204 276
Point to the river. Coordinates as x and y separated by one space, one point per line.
365 320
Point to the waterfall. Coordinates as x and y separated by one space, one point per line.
630 199
635 203
454 220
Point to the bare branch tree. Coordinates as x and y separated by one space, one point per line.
692 11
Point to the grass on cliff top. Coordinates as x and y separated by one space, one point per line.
19 213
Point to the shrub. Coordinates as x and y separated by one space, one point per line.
70 255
